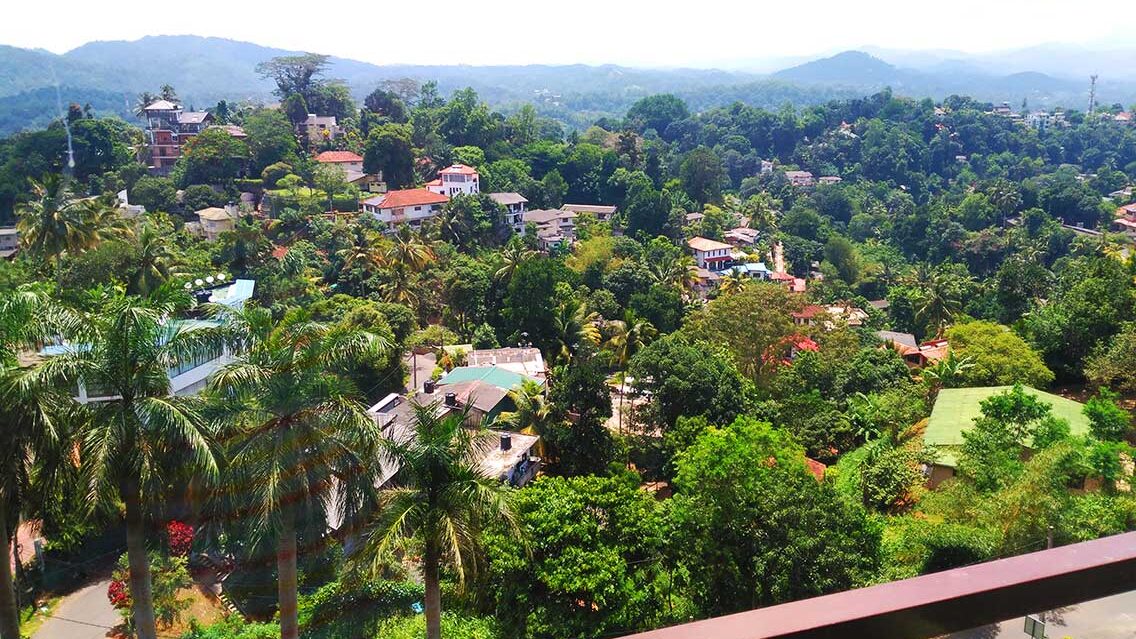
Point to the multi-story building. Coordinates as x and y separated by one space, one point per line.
168 129
514 204
346 160
710 254
319 128
188 377
407 206
458 179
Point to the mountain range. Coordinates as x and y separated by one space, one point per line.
108 75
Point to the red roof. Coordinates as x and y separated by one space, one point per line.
816 468
458 169
333 157
810 311
435 182
407 197
781 277
803 343
279 252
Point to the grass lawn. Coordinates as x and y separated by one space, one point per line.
32 618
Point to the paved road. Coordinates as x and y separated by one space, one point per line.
1108 618
84 614
423 370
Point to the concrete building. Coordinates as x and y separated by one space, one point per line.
406 206
457 179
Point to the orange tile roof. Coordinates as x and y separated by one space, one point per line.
407 197
704 244
458 169
331 157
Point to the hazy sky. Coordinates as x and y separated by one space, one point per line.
633 32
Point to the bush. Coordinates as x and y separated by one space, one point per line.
168 575
232 627
341 610
952 546
453 627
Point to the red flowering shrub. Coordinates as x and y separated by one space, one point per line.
119 594
179 535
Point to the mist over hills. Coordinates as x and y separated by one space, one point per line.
109 75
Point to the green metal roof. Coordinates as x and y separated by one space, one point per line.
489 374
956 409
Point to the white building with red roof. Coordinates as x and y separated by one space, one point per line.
408 206
346 160
710 254
454 180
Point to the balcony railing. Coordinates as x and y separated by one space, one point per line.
939 603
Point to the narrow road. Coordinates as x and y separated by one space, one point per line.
84 614
1108 618
420 368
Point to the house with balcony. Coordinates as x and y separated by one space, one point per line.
710 254
216 220
801 179
553 226
514 204
406 206
457 179
169 129
188 377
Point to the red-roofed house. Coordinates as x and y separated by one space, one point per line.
347 160
456 179
408 206
1125 221
816 468
709 254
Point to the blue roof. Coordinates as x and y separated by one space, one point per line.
747 269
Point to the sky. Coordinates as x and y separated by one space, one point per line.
702 33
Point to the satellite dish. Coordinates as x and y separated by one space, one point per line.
209 279
220 277
198 281
188 286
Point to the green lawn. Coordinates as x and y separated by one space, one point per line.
956 408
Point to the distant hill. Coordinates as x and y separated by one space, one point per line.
109 75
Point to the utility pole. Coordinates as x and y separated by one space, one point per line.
1092 93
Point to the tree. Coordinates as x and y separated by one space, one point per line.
441 498
212 157
139 440
295 74
533 414
54 223
1107 420
386 104
34 433
842 254
592 566
702 175
691 378
154 193
155 263
998 357
657 112
759 527
1112 364
531 302
389 151
301 437
270 139
751 324
628 336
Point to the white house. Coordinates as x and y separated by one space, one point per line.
800 178
456 179
215 221
189 377
346 160
601 212
514 204
709 254
407 206
9 241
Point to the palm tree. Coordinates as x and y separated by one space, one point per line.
628 336
144 100
731 283
156 262
54 223
32 440
947 372
441 497
512 255
574 327
302 443
760 211
408 249
168 94
139 435
533 416
942 301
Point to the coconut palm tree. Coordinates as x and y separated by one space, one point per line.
54 223
628 336
440 497
512 255
409 250
156 262
301 443
731 283
574 327
144 100
32 436
138 435
941 302
533 416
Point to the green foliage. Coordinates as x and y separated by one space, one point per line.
345 609
593 565
998 356
758 525
1107 420
232 627
388 150
454 626
1112 363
